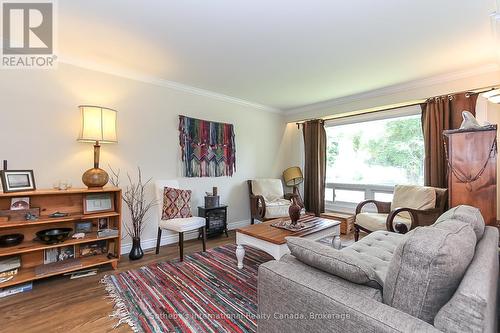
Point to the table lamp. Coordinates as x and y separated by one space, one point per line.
293 177
98 126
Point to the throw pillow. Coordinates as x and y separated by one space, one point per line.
345 265
427 268
467 214
176 203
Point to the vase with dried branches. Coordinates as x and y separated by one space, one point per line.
134 197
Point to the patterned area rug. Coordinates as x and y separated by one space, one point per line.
205 293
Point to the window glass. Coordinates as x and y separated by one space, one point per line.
378 152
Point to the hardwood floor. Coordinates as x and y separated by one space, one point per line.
59 304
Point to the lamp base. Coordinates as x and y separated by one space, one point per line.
95 178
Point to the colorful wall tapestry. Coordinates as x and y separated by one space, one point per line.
207 148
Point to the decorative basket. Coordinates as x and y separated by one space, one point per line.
211 201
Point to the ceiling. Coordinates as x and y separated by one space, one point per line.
281 53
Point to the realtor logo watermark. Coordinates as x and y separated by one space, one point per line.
28 35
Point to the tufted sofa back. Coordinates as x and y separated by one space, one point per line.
376 250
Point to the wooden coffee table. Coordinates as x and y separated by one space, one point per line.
272 240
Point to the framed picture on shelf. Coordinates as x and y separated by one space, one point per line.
17 180
83 226
103 223
20 203
98 203
58 254
93 249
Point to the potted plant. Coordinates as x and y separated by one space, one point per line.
134 197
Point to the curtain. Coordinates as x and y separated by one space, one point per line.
315 166
439 114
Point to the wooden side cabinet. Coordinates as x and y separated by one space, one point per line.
472 169
216 220
38 259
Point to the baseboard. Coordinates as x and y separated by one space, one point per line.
172 238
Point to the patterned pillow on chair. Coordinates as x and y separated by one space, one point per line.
176 203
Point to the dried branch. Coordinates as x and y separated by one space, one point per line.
134 196
114 179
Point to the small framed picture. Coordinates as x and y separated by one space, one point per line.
17 180
84 226
58 254
20 203
102 223
98 203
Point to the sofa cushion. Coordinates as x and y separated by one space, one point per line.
473 306
349 265
413 196
270 189
313 275
377 221
427 268
466 214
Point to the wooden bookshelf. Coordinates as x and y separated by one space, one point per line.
31 251
28 274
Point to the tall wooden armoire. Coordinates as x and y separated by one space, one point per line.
472 169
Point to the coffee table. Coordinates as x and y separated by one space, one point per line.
272 240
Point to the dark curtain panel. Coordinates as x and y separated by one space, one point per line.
439 114
315 166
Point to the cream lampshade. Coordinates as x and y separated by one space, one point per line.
98 125
293 177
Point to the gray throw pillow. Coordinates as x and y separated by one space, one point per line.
466 214
427 268
345 265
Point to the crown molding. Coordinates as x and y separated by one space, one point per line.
397 88
137 76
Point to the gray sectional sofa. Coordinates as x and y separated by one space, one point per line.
441 278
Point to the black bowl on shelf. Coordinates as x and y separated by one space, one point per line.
11 240
53 236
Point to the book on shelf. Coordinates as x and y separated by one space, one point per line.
5 279
20 288
9 264
8 273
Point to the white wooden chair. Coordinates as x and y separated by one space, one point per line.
179 225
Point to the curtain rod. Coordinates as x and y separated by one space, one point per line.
394 106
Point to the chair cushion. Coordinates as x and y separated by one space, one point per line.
413 196
347 265
270 189
277 208
176 203
427 268
183 224
377 221
467 214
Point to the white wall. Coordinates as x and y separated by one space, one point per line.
39 124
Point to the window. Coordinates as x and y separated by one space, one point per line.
367 155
